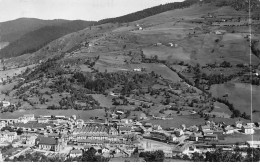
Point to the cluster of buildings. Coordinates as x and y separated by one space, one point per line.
119 137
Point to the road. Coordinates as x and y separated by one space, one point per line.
20 153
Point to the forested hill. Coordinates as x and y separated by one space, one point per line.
236 4
149 12
33 41
14 29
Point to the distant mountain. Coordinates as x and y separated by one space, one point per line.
34 40
13 30
149 12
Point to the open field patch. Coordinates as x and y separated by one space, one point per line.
240 96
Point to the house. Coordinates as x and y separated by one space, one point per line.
50 144
6 103
7 136
247 129
212 137
76 153
29 117
125 130
157 127
239 124
179 132
43 120
204 128
194 137
137 69
250 124
2 124
158 44
171 44
142 116
253 144
126 121
229 130
28 139
1 157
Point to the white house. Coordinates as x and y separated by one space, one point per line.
179 132
239 124
6 103
254 144
75 153
247 129
29 117
137 69
229 130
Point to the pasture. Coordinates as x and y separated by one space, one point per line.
159 69
240 96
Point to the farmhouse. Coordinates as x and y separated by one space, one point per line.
239 124
6 103
247 129
76 153
212 137
7 136
254 144
229 130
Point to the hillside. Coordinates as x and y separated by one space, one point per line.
174 60
14 29
34 40
149 12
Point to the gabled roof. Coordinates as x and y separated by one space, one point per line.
47 141
76 152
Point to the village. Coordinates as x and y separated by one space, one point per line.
68 137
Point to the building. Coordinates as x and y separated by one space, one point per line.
254 144
1 157
212 137
137 69
229 130
43 120
247 129
6 103
179 132
7 136
76 153
239 124
2 124
203 128
28 139
161 135
125 130
50 144
194 137
29 117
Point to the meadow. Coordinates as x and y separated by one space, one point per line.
240 95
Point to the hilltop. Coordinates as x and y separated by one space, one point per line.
171 65
14 29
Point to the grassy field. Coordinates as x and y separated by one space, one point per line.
80 114
160 69
240 95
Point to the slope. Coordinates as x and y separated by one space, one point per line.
14 29
32 41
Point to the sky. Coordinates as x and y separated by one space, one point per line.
92 10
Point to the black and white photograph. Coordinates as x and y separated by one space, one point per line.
129 81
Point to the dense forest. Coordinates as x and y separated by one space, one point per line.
33 41
149 12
